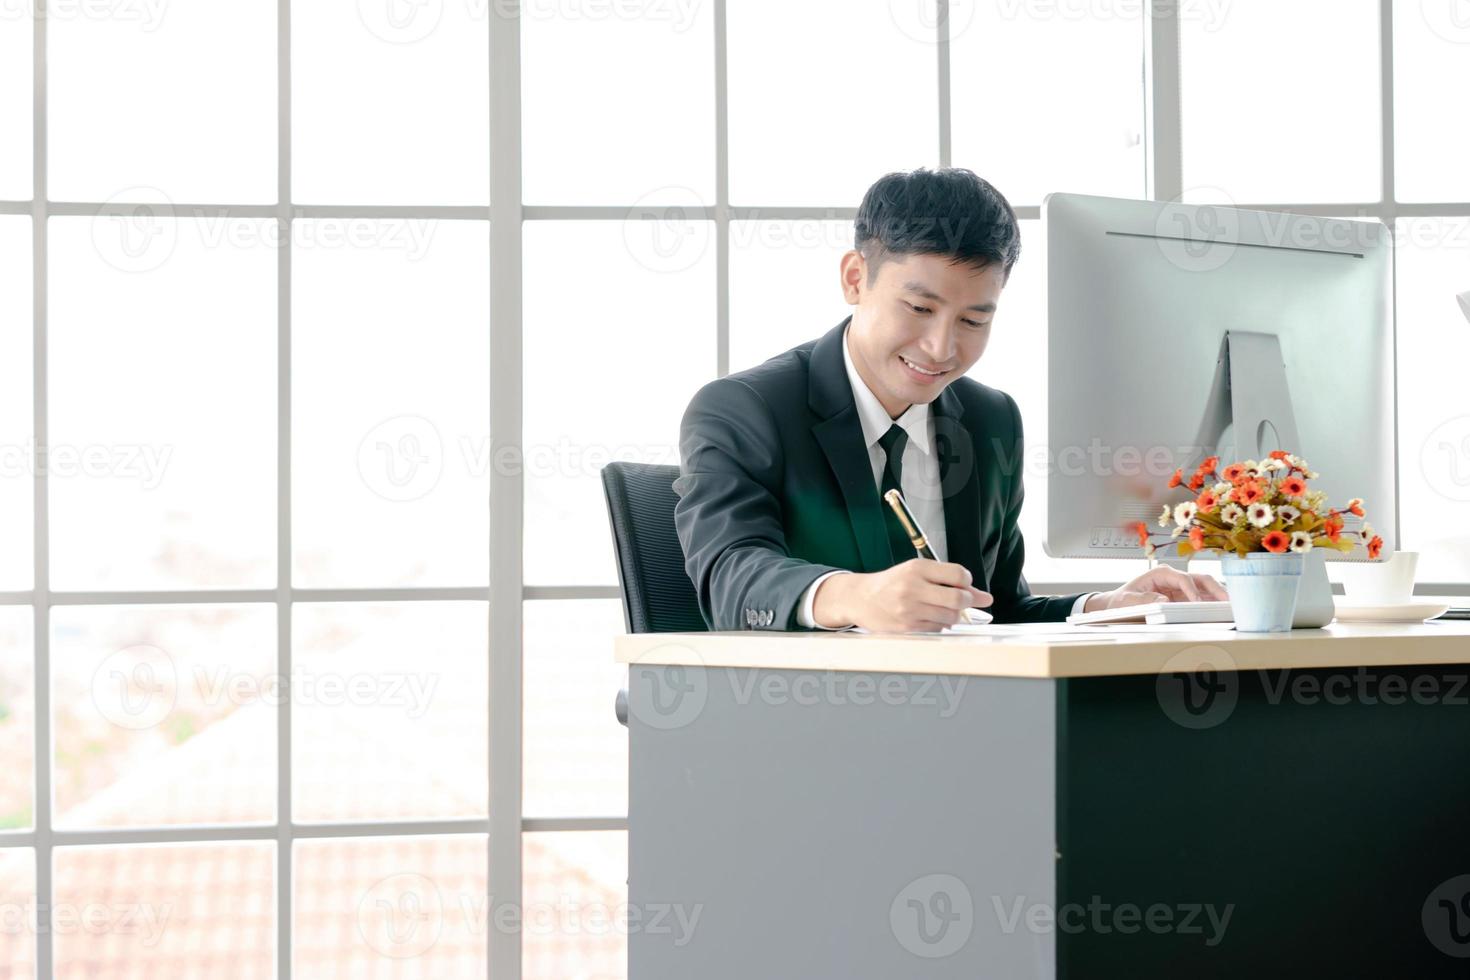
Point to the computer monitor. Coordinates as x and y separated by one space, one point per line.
1178 331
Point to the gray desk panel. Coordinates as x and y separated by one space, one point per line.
882 891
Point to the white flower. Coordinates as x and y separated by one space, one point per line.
1221 488
1310 474
1185 512
1287 513
1164 517
1367 532
1296 461
1272 464
1231 514
1301 542
1316 499
1148 551
1260 514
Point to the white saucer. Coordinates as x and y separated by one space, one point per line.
1402 612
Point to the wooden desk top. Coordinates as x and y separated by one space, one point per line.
1054 650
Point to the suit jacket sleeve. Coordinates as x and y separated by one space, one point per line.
729 514
1014 602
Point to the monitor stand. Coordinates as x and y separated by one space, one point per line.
1250 394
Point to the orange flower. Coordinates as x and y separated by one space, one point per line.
1248 492
1332 527
1279 454
1142 530
1197 538
1375 548
1208 466
1293 486
1276 542
1207 501
1196 483
1355 506
1176 479
1234 472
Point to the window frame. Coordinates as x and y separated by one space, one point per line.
505 824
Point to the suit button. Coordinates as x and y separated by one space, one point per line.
768 618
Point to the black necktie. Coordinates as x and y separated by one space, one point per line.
893 442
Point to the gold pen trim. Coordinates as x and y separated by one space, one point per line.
895 501
901 510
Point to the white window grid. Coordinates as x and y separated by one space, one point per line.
506 592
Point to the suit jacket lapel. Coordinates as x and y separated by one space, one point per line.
840 434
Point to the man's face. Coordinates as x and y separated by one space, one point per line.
922 322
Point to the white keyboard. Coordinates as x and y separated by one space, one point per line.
1158 614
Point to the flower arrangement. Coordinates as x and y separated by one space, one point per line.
1255 506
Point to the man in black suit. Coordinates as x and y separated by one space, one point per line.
780 513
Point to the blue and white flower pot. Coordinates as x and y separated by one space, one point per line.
1263 589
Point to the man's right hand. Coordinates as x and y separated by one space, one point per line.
916 596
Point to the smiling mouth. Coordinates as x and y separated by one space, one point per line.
923 372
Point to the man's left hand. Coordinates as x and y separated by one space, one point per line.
1162 584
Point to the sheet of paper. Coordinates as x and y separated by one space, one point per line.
1060 631
1016 629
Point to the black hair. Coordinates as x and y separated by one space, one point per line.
950 212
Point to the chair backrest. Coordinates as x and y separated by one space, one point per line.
657 594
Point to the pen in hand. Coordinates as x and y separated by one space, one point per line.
920 541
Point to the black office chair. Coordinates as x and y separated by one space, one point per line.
657 594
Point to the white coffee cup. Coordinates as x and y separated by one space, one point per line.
1381 583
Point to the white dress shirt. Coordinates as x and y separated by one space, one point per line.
919 479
